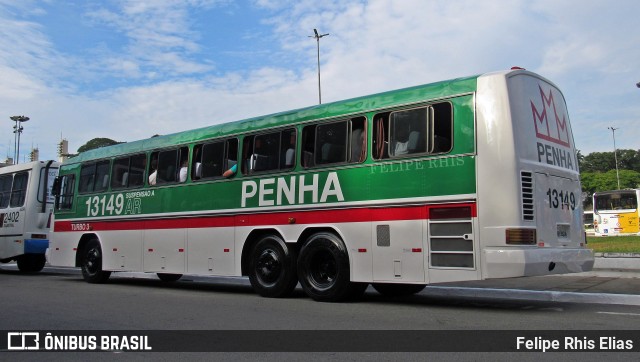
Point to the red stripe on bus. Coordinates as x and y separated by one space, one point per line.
278 218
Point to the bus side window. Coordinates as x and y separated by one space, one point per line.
5 190
408 132
425 130
287 149
269 151
308 146
167 161
19 189
102 176
94 177
136 170
211 162
231 156
183 164
380 141
64 201
331 143
120 173
336 142
87 177
169 166
358 140
128 172
442 115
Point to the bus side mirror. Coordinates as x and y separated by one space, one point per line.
56 186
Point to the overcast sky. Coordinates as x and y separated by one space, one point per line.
129 69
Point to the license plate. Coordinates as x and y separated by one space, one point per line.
564 231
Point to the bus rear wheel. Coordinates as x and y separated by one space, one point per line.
323 269
398 290
272 270
31 263
91 263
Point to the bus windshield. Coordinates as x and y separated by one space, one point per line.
617 201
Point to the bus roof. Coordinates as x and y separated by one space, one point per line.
323 111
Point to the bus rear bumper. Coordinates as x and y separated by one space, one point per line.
35 246
520 262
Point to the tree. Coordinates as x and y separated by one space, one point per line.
97 143
605 161
604 181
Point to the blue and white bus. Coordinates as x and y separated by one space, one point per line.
26 204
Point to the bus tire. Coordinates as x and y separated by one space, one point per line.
272 269
323 269
169 278
31 263
91 263
398 290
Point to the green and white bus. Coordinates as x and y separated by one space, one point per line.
26 204
465 179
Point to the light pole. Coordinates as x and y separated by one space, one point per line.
615 154
17 130
317 37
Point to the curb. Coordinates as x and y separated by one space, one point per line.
531 295
628 262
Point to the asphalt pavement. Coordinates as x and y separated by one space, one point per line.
615 279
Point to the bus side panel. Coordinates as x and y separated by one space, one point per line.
211 251
121 249
62 248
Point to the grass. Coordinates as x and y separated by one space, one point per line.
614 244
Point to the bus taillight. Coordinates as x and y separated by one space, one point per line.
521 236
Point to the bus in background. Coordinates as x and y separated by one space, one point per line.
616 212
587 220
464 179
26 204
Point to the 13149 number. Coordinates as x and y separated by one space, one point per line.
102 206
561 199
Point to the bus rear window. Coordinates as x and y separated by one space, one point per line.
621 201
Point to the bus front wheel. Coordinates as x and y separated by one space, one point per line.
91 263
272 270
323 269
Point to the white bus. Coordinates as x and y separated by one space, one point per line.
464 179
26 204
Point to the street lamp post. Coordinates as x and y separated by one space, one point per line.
615 154
17 130
317 37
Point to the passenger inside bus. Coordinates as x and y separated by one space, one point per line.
154 174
